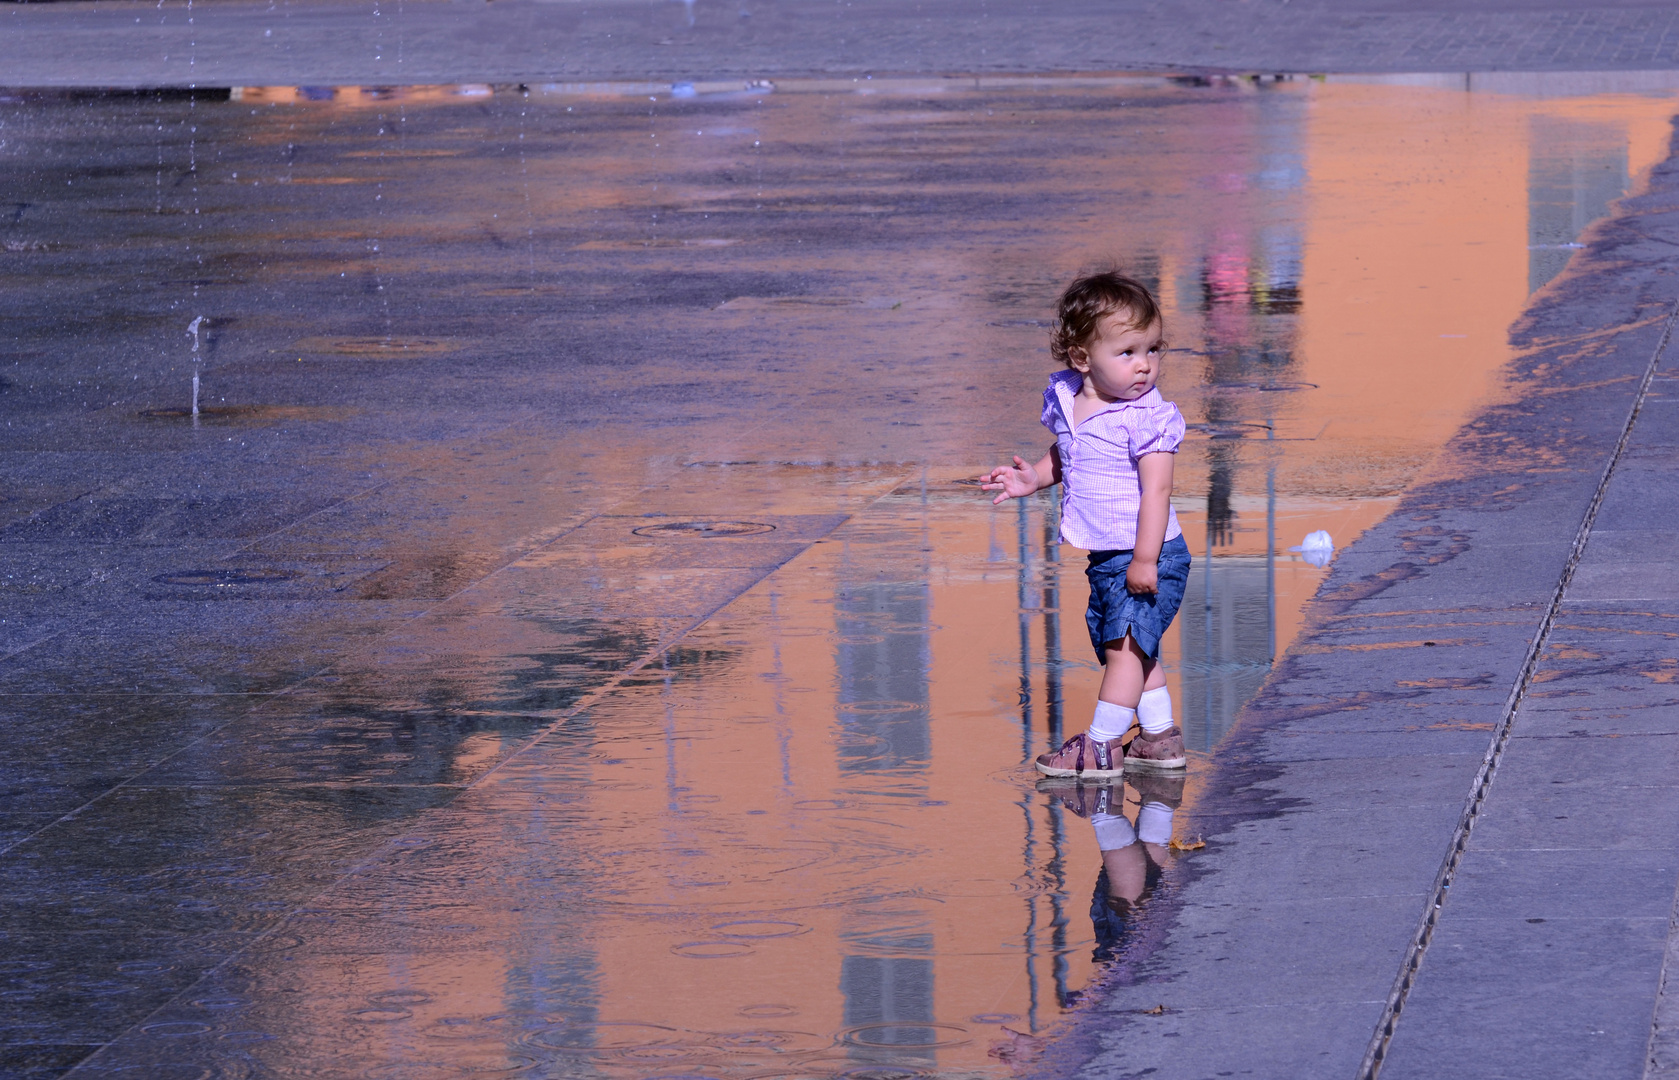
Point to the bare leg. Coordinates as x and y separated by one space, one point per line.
1127 871
1128 672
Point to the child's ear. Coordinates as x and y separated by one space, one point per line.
1078 358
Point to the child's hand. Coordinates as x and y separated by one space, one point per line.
1015 483
1142 579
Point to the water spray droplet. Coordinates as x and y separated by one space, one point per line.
193 328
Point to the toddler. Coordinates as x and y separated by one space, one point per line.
1114 440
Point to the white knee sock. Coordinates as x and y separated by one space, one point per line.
1113 831
1111 721
1154 823
1154 711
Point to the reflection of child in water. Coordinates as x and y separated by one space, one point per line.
1132 857
1133 850
1115 438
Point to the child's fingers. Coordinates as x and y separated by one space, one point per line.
1005 480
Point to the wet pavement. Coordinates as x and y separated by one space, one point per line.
407 42
563 644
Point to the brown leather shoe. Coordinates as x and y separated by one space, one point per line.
1157 753
1085 758
1163 788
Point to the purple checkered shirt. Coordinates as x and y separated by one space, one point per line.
1100 489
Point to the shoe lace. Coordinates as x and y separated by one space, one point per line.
1083 741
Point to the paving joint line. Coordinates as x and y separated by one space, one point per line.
1661 1019
1374 1056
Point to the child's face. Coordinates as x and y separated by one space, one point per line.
1122 362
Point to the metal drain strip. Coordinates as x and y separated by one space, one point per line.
1371 1066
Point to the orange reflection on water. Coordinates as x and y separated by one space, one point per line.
803 843
792 834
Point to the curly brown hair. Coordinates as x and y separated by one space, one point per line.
1086 301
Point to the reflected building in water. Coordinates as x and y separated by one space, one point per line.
1576 168
882 661
1244 283
1224 633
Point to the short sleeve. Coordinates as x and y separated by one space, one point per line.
1052 417
1159 430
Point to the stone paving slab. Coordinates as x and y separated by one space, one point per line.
1570 979
1575 965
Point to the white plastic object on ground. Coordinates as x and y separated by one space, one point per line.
1318 548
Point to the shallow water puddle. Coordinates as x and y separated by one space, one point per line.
660 411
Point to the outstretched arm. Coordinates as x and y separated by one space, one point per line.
1155 473
1022 479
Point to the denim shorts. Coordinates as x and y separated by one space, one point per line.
1115 612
